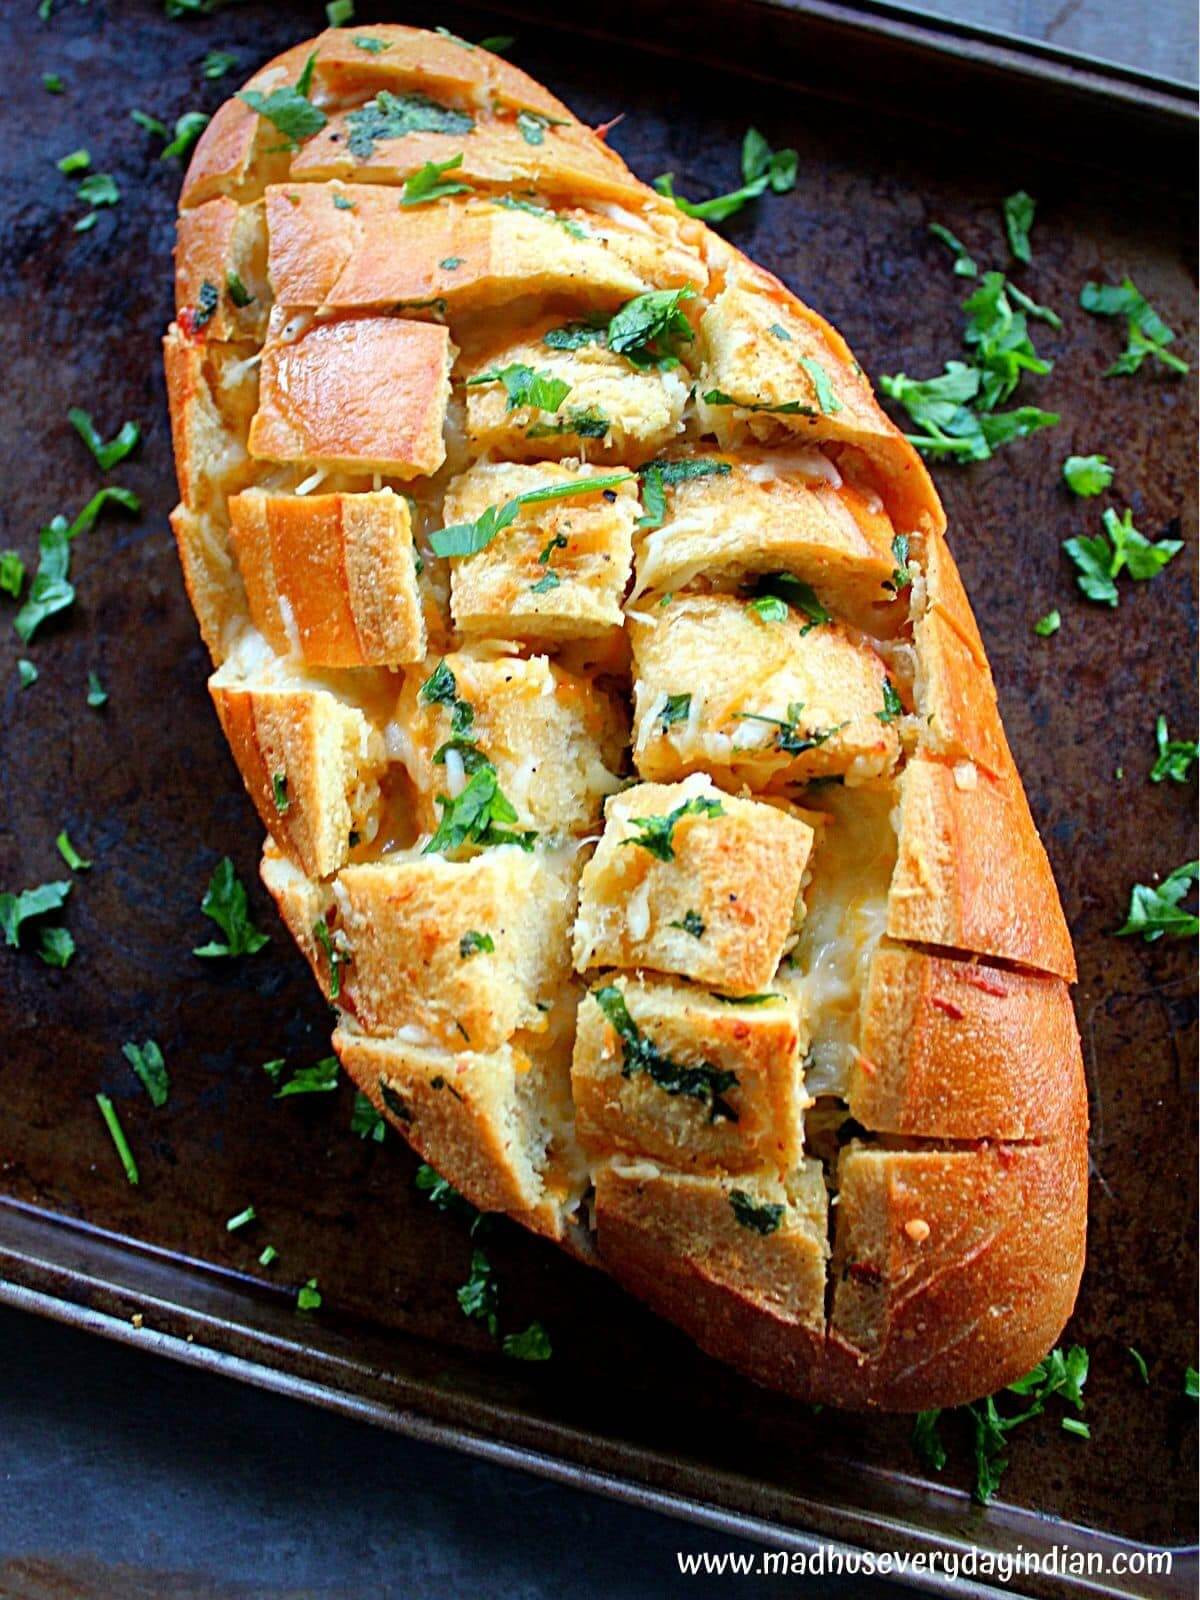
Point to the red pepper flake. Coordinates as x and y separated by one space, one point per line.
948 1006
189 326
603 129
985 985
864 1272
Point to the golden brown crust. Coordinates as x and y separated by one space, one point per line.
967 840
337 343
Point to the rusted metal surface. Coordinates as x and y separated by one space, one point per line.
147 790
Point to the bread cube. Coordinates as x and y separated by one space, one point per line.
366 395
793 512
675 854
221 269
370 253
723 689
559 571
669 1072
214 584
690 1243
557 741
497 1124
311 763
610 411
331 576
212 388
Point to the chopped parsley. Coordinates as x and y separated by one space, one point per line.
1191 1383
51 590
12 573
52 83
269 1256
365 1121
957 411
705 1083
308 1297
1139 1362
655 834
1047 625
342 202
17 909
649 329
392 116
149 124
70 855
290 109
692 923
445 1197
226 904
532 126
320 1078
789 740
1146 332
524 386
1101 559
497 43
27 673
279 792
243 1219
118 447
567 224
677 708
574 335
337 958
1087 475
788 408
795 592
373 47
756 1215
585 422
1176 757
479 1297
1157 910
964 265
74 161
545 584
473 942
426 185
769 608
340 12
826 399
479 815
1019 209
449 263
56 947
120 1143
1061 1373
468 538
188 129
658 476
762 168
97 694
147 1061
217 63
99 189
533 1344
778 331
893 706
901 577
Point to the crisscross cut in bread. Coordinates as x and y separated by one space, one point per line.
653 829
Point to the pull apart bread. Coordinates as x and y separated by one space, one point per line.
628 752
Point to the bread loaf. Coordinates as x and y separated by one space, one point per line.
631 765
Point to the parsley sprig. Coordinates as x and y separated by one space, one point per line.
1146 332
1176 757
118 447
468 538
762 168
290 109
429 183
524 386
1155 910
1100 559
656 834
226 904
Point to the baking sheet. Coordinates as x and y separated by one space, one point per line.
895 127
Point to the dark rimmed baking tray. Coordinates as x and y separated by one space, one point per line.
897 124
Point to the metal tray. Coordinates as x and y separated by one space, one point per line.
896 124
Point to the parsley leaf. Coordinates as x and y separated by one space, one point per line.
826 399
1019 209
1146 332
1100 560
468 538
70 855
1176 757
1139 1362
532 126
97 694
762 167
1087 475
1047 625
320 1078
217 63
188 129
149 124
964 266
770 608
1154 911
118 447
692 923
1191 1383
901 577
337 958
1060 1373
893 706
147 1061
27 673
289 109
242 1219
758 1216
705 1083
225 902
425 185
12 573
585 422
655 834
787 587
365 1121
677 708
339 12
649 329
442 1194
479 1297
789 739
373 47
531 1345
56 946
308 1297
476 815
52 83
541 391
99 189
392 116
473 942
659 476
74 161
574 335
789 408
50 591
